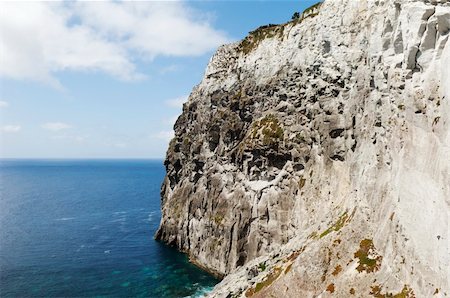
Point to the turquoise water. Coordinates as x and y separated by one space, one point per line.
85 228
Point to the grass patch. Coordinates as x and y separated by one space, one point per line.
218 218
307 13
265 283
255 37
299 137
366 263
268 281
262 266
312 7
406 292
313 235
337 225
268 130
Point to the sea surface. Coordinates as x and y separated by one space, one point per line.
84 228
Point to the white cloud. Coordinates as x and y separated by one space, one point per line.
40 39
165 135
3 104
55 126
177 102
75 138
10 128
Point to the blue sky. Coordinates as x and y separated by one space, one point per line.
106 80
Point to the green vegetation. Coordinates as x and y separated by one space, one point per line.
186 144
216 243
218 218
308 12
366 263
262 266
237 96
337 225
313 235
255 37
299 138
405 293
268 129
265 283
268 281
312 7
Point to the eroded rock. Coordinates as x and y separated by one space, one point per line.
320 149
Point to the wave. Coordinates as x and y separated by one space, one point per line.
201 292
151 215
65 218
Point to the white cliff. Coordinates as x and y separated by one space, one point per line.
314 157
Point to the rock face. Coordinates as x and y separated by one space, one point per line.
314 157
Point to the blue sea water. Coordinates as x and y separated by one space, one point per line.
84 228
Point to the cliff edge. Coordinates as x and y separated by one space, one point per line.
314 157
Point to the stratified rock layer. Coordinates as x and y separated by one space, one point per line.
314 157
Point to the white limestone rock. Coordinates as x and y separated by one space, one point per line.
313 159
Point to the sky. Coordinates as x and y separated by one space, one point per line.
108 79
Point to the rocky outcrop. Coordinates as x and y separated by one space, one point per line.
314 157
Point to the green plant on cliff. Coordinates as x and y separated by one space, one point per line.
255 37
218 218
262 266
406 292
368 260
308 12
337 225
312 7
268 130
265 283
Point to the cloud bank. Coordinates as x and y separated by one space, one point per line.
55 126
10 128
40 39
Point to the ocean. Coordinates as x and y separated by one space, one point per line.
84 228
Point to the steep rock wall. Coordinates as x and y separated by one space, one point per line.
314 156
